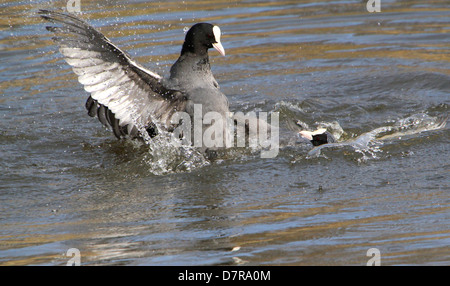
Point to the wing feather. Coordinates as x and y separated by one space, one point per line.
124 94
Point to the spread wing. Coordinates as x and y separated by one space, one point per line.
124 94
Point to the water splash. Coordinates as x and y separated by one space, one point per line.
415 124
333 127
364 144
165 156
167 159
369 144
279 106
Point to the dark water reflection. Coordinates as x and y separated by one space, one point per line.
67 183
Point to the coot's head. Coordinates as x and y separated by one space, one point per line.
201 37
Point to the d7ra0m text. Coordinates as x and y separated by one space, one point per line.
242 275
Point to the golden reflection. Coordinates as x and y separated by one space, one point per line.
242 20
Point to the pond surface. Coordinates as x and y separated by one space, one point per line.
381 78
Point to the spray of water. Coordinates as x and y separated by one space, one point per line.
369 144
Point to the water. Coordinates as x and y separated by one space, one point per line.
380 81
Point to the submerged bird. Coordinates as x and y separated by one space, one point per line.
125 95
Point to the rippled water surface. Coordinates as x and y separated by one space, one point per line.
379 81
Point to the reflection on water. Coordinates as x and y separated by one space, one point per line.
378 80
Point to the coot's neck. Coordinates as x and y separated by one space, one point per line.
189 68
196 61
194 48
